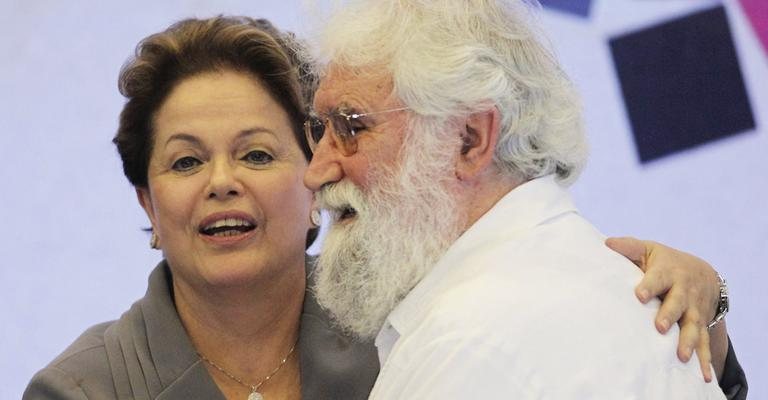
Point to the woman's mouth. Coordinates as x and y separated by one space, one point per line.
227 227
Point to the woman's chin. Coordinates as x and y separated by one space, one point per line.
236 273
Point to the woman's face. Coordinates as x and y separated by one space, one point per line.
225 193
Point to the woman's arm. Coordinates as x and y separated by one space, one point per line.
690 291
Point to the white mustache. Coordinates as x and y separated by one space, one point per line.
338 196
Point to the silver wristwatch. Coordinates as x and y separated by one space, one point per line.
722 305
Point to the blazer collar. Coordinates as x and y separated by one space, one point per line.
181 372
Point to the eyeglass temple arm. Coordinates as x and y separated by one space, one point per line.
356 115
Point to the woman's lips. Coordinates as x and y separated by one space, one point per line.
227 227
230 237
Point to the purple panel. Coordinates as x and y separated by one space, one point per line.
577 7
682 83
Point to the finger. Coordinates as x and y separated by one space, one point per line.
672 308
655 282
704 353
690 335
629 247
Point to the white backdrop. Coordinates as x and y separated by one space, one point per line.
73 253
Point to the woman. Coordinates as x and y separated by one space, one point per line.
211 139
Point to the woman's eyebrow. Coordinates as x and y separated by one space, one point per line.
194 140
186 137
254 131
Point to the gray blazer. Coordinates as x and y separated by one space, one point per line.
147 354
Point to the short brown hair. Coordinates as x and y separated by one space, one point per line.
194 46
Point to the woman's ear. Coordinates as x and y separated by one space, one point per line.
145 199
479 139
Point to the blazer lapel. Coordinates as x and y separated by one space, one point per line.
179 371
333 365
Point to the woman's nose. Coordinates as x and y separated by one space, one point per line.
223 180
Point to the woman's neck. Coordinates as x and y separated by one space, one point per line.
247 330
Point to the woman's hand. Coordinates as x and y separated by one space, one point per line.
690 292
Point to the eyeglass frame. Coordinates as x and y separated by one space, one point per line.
346 137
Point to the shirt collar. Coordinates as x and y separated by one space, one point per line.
526 206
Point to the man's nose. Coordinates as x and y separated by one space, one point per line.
325 166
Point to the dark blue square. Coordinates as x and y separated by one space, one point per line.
578 7
682 83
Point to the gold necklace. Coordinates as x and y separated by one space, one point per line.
254 395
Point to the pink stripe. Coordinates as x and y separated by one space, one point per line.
757 11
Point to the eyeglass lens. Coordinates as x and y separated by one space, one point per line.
344 132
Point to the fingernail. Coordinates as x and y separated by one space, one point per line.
644 295
665 324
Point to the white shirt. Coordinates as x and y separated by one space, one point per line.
530 304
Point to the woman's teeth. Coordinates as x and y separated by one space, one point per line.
227 227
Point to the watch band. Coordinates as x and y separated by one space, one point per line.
723 304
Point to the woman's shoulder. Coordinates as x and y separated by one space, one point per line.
81 371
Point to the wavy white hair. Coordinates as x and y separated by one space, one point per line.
454 57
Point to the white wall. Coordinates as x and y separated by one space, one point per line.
710 200
72 253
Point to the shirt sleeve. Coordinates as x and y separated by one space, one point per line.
734 381
52 383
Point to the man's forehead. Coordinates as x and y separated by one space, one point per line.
364 85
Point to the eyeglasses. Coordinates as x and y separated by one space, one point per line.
346 127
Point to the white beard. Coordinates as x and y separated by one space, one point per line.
403 224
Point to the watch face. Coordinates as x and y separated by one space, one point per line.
722 305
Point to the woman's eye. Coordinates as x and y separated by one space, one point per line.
258 157
185 164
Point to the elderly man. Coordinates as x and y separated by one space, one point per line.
452 134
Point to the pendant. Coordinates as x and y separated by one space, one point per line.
255 396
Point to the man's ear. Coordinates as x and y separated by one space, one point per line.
145 199
479 139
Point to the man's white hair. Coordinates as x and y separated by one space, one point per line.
449 58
